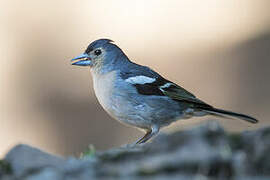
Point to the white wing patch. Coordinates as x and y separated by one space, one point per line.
165 86
140 80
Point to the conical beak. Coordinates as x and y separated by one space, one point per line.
82 60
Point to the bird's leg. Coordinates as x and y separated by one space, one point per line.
150 133
142 139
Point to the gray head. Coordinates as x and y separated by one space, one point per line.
102 55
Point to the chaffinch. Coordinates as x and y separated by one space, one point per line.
137 95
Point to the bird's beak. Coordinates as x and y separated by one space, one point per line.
82 60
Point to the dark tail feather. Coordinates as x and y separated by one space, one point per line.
220 112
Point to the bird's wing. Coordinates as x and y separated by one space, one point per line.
148 82
178 93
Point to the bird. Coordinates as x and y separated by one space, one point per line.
138 96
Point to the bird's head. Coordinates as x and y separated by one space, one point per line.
101 55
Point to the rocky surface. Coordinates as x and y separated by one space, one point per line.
203 152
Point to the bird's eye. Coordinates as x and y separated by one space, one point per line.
97 52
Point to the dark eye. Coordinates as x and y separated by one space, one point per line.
97 52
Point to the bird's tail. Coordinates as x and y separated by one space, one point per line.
224 113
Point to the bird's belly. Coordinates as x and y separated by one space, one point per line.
146 111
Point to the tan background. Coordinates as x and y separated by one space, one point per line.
219 50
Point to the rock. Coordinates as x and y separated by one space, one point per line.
204 152
25 159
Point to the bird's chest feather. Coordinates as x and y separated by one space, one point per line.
104 87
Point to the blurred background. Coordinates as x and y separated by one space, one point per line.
219 50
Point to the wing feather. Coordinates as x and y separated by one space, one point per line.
160 86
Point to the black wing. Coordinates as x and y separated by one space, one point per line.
161 86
